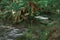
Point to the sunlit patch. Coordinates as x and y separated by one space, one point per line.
13 12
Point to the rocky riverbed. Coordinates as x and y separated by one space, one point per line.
11 33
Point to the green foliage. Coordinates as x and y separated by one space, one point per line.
14 12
